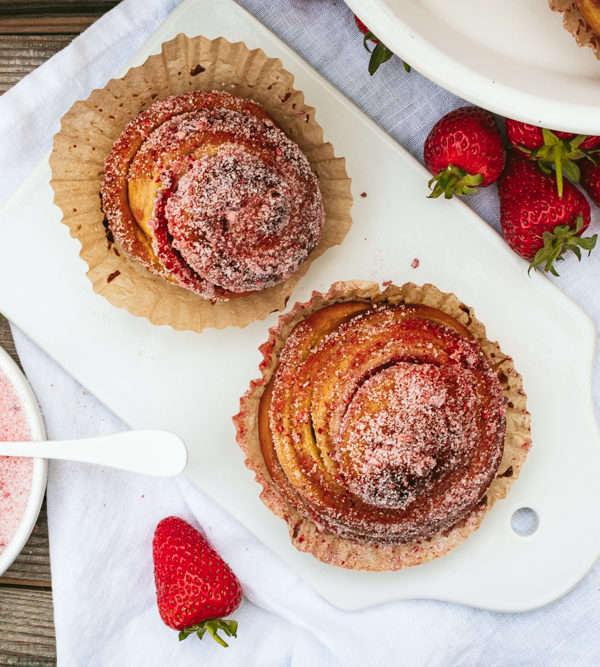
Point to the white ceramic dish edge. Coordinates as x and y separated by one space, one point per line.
40 466
489 92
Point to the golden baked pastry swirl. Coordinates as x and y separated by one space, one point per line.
386 423
382 424
204 190
590 10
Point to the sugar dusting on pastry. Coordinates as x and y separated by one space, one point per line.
404 428
239 223
407 421
15 472
237 206
367 546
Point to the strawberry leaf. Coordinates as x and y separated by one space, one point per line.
212 626
545 167
576 141
454 181
379 55
560 154
533 154
557 243
369 37
571 171
550 139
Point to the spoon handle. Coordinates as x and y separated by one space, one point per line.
150 452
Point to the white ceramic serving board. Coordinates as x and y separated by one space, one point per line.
155 377
510 56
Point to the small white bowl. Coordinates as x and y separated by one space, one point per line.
40 466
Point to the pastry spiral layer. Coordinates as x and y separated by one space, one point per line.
381 423
385 423
590 10
204 190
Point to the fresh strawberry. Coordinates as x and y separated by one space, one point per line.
537 224
552 148
590 180
464 149
195 588
380 54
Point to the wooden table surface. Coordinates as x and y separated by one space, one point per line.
31 32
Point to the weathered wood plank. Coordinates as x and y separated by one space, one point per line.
46 17
45 8
38 6
20 55
27 628
50 25
6 339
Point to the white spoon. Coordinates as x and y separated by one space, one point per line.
150 452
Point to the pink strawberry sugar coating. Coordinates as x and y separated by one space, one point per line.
16 473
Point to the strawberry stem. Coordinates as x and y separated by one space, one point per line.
454 181
557 154
561 154
212 626
558 242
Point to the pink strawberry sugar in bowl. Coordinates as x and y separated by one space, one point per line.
22 480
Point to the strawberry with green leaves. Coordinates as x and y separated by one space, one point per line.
463 150
380 54
537 223
195 588
549 148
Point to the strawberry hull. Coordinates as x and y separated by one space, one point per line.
533 216
531 136
465 140
551 149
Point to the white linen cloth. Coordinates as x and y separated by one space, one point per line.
101 521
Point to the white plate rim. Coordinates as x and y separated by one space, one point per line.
486 92
40 466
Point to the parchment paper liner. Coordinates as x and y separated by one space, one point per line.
90 127
343 552
574 22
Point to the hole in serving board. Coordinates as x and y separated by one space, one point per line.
525 521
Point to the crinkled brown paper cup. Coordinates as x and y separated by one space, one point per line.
343 552
574 22
90 127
